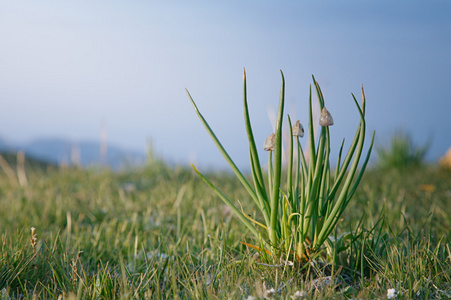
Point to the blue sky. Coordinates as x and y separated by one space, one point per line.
70 69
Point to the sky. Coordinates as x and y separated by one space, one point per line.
71 69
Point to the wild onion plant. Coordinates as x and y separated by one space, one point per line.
297 217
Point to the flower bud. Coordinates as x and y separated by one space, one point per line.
298 129
326 118
270 142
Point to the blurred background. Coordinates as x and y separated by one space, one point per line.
104 81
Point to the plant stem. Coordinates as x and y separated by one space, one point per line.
277 168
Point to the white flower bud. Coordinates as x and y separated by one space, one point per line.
298 129
270 142
326 118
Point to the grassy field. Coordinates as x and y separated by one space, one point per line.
160 233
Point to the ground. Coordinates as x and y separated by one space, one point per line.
158 232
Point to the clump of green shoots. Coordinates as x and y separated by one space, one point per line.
297 221
402 152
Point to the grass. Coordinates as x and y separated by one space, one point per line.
402 152
160 233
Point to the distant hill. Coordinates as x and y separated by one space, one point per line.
34 163
4 146
85 153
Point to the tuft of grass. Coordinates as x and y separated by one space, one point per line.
298 220
402 152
